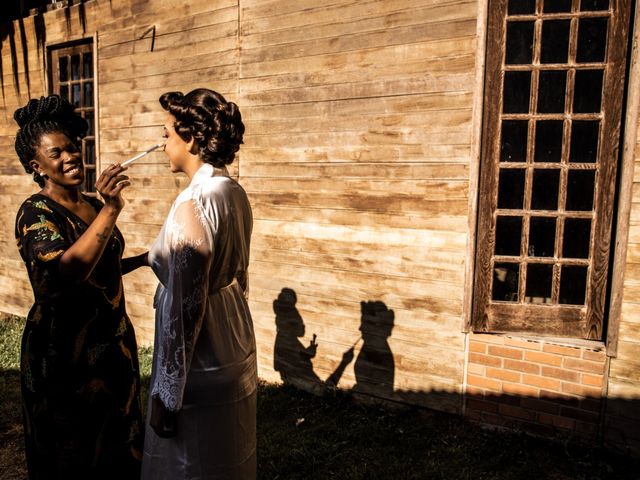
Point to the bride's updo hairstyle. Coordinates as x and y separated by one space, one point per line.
52 114
215 124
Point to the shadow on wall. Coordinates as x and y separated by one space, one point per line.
613 421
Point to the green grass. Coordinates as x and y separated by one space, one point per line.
302 436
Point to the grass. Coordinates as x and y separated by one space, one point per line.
302 436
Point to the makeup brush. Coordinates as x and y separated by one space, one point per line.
140 155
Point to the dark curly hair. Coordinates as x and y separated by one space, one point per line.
205 115
52 114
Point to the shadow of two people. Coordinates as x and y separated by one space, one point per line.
374 367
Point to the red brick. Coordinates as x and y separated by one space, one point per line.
583 365
560 398
519 389
475 391
503 375
540 405
517 412
482 405
581 390
557 421
592 380
586 430
542 382
546 358
487 338
476 369
595 356
591 404
559 373
483 382
519 343
562 350
579 414
505 352
477 347
485 360
522 366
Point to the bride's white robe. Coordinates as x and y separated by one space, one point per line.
204 362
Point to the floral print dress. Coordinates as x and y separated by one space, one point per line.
79 366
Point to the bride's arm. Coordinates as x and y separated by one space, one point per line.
130 264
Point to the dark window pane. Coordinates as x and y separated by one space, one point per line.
548 141
511 188
577 234
544 195
513 144
63 63
519 42
75 67
588 91
506 278
573 285
89 118
584 141
542 236
580 190
64 91
87 69
519 7
539 280
594 5
555 41
517 90
88 94
592 40
89 153
551 91
556 6
75 94
90 180
508 234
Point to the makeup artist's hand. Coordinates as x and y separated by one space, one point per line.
110 186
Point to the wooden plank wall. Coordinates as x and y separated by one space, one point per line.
357 164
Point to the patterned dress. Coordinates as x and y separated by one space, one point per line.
79 366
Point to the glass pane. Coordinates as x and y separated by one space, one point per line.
548 141
63 64
508 234
544 195
556 6
580 188
88 94
577 233
539 280
555 41
75 94
594 5
519 7
75 67
517 90
573 285
511 188
584 141
551 91
87 69
90 180
513 145
542 236
519 42
64 91
588 91
592 40
89 118
506 279
89 153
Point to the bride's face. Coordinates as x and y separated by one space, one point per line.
175 147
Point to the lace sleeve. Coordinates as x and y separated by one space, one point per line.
190 252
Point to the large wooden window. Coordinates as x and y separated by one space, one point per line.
71 76
553 103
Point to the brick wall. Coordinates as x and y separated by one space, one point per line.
542 387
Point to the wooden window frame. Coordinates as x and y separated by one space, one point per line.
586 322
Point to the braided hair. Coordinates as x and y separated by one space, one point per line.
52 114
215 124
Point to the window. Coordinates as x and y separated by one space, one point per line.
71 70
554 87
